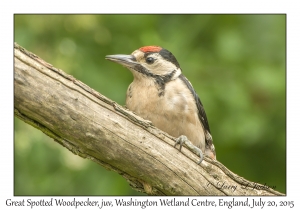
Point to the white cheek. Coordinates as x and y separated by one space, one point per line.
161 67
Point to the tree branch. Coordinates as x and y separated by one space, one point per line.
94 127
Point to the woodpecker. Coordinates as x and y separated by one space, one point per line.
162 94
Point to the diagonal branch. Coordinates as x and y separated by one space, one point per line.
94 127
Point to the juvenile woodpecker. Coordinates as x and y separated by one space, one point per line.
162 94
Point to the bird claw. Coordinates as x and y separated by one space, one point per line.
184 140
180 140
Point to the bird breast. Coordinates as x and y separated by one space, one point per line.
174 112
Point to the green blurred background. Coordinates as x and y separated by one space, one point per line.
236 64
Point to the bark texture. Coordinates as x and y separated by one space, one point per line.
95 127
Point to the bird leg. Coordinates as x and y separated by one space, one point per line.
184 140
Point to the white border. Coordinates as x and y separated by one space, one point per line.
6 74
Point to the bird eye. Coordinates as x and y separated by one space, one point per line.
150 60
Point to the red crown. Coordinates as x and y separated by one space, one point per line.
150 49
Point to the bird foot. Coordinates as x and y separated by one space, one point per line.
184 140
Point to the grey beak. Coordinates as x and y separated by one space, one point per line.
125 60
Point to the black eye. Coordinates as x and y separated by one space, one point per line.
150 60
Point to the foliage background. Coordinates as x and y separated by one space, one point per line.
236 64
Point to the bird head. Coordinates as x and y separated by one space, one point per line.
149 61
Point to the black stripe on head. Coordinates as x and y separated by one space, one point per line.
142 70
169 57
160 80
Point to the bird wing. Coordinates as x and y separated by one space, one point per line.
201 112
202 117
